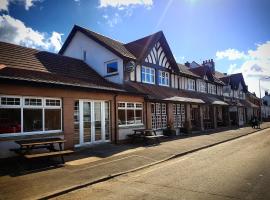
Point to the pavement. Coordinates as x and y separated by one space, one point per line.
41 180
238 169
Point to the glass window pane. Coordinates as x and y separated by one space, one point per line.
10 101
86 121
121 117
130 117
52 102
130 105
107 121
112 67
148 79
138 116
52 119
33 102
32 120
10 120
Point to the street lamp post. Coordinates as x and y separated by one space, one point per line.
264 78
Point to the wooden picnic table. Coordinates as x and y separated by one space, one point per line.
27 147
145 134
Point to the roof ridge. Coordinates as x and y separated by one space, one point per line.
158 32
98 33
18 45
39 51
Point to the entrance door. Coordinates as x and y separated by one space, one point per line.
92 121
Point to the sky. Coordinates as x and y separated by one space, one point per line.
235 33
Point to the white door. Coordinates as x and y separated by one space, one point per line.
92 121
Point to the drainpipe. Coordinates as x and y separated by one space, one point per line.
115 119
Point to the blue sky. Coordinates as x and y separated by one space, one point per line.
235 33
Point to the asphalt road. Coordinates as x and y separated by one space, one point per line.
239 169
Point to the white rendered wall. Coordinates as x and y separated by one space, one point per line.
96 56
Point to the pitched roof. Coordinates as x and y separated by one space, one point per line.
28 64
205 70
234 80
113 45
141 47
219 74
154 92
185 70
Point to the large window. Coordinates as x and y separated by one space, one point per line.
191 84
159 115
112 67
201 86
29 114
211 89
163 78
179 115
148 75
130 114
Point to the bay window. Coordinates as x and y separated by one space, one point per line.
163 78
29 114
130 114
148 75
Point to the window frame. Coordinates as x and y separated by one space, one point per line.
144 74
166 78
191 84
109 62
134 108
43 107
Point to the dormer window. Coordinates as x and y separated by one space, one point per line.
163 78
112 67
148 75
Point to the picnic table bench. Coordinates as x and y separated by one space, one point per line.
27 147
145 134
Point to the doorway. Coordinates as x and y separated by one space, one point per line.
94 122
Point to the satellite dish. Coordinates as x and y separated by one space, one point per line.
130 66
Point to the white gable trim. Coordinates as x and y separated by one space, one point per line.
157 56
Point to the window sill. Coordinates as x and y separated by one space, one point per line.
112 74
164 85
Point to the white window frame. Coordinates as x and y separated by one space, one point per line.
191 84
111 61
43 107
166 78
131 108
151 74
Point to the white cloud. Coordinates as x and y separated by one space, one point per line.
255 65
112 20
230 54
121 4
4 5
27 4
14 31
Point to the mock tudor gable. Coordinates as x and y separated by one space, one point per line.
154 50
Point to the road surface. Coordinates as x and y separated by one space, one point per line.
238 169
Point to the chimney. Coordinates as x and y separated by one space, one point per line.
187 64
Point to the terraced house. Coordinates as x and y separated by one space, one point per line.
98 90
